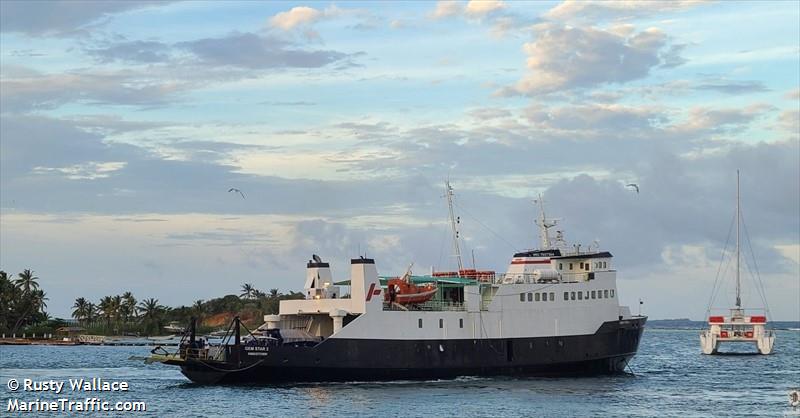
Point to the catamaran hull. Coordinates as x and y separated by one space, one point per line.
607 351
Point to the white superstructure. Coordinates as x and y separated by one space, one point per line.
544 293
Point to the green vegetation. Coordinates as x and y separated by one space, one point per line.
23 310
22 303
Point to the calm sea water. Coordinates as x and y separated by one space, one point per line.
671 378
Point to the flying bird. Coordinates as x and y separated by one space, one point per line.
633 185
233 189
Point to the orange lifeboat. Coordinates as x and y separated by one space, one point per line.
403 291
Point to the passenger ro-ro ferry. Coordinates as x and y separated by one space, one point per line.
554 312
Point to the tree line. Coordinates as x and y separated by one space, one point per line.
23 309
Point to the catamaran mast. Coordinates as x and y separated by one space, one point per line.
448 192
738 215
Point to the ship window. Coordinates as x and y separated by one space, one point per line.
604 264
612 293
605 293
441 323
419 323
522 297
587 266
537 297
530 297
566 295
580 295
586 296
552 296
461 322
561 266
572 296
581 266
594 295
570 266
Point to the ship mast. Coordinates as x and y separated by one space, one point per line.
448 192
738 216
544 224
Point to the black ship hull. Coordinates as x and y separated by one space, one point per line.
607 351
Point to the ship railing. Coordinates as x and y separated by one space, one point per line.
431 305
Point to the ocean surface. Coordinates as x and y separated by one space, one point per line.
670 378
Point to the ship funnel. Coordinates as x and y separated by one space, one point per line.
365 289
319 280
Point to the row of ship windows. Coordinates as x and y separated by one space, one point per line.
441 322
551 296
585 266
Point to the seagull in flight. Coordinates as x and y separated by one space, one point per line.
634 186
233 189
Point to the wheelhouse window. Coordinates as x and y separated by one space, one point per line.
587 266
612 293
570 266
537 297
552 296
566 295
594 296
605 293
530 296
561 266
522 297
581 266
580 297
571 295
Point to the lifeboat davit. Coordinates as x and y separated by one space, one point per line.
403 291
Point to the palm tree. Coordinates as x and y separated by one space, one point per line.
106 307
257 294
198 310
81 311
128 307
38 300
27 281
91 312
151 312
274 293
247 291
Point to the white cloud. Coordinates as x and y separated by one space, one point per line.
790 251
563 57
297 16
594 9
480 8
447 8
87 171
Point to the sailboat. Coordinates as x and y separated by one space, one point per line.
738 326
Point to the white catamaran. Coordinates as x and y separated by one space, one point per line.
738 326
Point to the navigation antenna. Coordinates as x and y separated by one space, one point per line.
454 222
544 224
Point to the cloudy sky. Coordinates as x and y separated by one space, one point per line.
124 124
